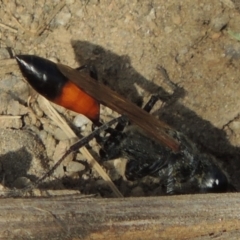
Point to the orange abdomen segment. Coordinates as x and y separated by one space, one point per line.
73 98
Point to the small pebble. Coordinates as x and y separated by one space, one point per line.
137 192
220 22
75 167
15 123
21 182
59 134
116 168
80 121
50 145
63 17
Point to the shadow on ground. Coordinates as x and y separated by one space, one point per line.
15 164
116 72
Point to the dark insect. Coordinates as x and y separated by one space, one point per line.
184 172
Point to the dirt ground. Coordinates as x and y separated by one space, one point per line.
197 42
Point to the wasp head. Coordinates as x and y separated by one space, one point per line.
213 179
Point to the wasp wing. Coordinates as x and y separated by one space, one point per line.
154 127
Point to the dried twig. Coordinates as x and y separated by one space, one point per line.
94 164
11 29
9 117
54 12
41 28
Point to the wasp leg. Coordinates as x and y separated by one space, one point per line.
82 142
178 92
151 102
92 70
148 107
111 144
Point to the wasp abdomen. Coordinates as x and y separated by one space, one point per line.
44 76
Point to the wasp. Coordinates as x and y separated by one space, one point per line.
152 148
79 92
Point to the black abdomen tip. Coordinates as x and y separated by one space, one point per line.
42 74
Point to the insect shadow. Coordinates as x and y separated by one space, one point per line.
112 71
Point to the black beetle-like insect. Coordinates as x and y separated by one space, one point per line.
187 171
